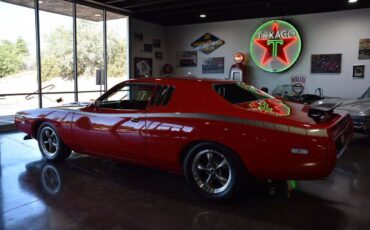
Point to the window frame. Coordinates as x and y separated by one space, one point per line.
162 99
263 94
122 85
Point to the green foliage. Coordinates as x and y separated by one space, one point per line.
117 54
57 52
12 56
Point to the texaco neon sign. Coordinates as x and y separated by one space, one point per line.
275 46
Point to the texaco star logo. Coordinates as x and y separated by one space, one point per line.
275 46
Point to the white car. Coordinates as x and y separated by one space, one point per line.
359 109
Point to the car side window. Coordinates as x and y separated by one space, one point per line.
133 97
162 95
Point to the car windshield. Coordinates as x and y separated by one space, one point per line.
237 93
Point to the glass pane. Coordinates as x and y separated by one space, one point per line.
117 48
17 49
11 104
131 93
56 40
88 97
89 47
52 100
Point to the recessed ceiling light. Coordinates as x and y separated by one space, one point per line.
352 1
202 16
97 15
40 2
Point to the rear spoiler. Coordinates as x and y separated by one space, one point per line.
323 112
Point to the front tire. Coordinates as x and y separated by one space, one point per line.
51 145
214 172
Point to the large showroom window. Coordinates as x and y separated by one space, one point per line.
56 44
117 48
72 36
90 50
18 76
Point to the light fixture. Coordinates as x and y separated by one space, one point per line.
40 2
202 16
97 15
352 1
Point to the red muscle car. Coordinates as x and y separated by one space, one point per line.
216 132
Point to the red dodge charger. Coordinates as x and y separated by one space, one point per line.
216 132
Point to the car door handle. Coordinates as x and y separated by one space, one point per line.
135 119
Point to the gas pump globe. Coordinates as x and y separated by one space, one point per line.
238 71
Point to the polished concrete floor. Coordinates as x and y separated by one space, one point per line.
93 193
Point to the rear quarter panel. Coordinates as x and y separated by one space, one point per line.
29 121
266 153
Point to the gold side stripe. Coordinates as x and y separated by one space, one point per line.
205 116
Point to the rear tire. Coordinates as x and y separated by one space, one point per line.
51 145
214 172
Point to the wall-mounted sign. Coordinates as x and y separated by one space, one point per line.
207 43
275 46
298 79
187 59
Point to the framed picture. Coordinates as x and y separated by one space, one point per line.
187 59
326 63
207 43
148 48
143 67
358 71
138 37
364 49
158 55
156 43
213 65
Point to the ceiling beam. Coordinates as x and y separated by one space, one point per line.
263 6
148 3
114 1
107 6
182 5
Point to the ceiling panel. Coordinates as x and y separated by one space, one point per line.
179 12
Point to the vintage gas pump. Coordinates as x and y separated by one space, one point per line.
238 71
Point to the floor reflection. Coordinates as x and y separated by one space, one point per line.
89 192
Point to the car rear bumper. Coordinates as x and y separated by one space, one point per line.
361 124
341 136
361 127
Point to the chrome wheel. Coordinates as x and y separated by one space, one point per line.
49 141
211 171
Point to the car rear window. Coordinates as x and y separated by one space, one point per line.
162 95
237 93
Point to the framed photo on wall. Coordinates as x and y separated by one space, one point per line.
326 63
148 48
138 37
364 49
213 65
143 67
358 71
158 55
187 59
156 43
